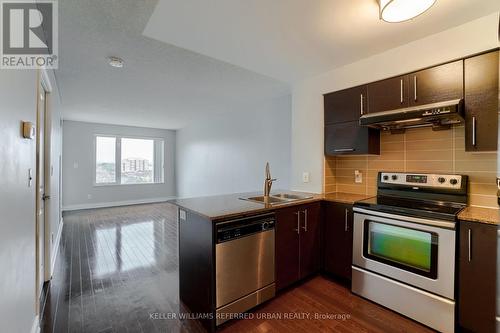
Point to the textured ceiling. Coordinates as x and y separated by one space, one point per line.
188 58
293 39
160 86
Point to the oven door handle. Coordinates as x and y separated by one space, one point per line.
434 223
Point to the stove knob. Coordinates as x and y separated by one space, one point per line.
453 181
441 179
386 177
394 177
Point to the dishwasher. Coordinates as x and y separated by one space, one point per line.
244 260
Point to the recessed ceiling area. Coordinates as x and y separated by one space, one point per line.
184 59
293 39
160 85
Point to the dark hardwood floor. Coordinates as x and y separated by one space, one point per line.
117 271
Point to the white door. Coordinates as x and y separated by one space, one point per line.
40 190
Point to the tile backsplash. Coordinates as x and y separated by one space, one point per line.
417 150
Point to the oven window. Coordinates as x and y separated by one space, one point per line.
409 249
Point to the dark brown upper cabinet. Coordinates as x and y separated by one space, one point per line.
343 135
477 277
345 105
351 139
437 84
388 94
481 102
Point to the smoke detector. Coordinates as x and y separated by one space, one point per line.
115 62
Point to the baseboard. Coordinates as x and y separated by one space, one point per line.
55 247
115 203
35 328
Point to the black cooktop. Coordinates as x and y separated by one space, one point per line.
412 207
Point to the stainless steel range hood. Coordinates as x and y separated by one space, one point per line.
438 115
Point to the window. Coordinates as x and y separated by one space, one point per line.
137 161
105 169
140 160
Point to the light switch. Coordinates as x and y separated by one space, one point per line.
305 177
89 196
75 165
358 176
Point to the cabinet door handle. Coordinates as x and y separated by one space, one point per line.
298 223
415 87
469 245
305 220
340 150
361 104
346 227
401 91
474 131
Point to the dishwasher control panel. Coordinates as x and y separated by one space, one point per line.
229 230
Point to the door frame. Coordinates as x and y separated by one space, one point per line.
44 86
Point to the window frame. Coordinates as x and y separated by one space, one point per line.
158 163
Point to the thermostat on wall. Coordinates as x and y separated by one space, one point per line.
28 130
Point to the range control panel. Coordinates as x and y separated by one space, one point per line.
422 180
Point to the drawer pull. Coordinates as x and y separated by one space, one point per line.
469 241
344 150
415 87
346 227
361 104
401 91
474 131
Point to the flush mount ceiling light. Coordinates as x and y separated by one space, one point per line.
402 10
115 62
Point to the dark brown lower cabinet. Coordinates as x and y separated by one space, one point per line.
297 243
338 225
477 277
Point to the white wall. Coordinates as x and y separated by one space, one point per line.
307 100
227 153
17 201
78 148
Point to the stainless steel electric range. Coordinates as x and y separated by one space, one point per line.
404 245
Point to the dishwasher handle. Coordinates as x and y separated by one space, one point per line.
235 229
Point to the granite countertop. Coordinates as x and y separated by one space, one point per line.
227 206
480 215
347 198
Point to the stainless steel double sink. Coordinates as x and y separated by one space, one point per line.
277 199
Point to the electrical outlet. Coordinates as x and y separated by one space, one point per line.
358 177
305 177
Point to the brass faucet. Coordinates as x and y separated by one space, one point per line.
268 182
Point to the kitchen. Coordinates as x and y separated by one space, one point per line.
251 166
416 236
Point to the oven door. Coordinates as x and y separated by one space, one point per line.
416 251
